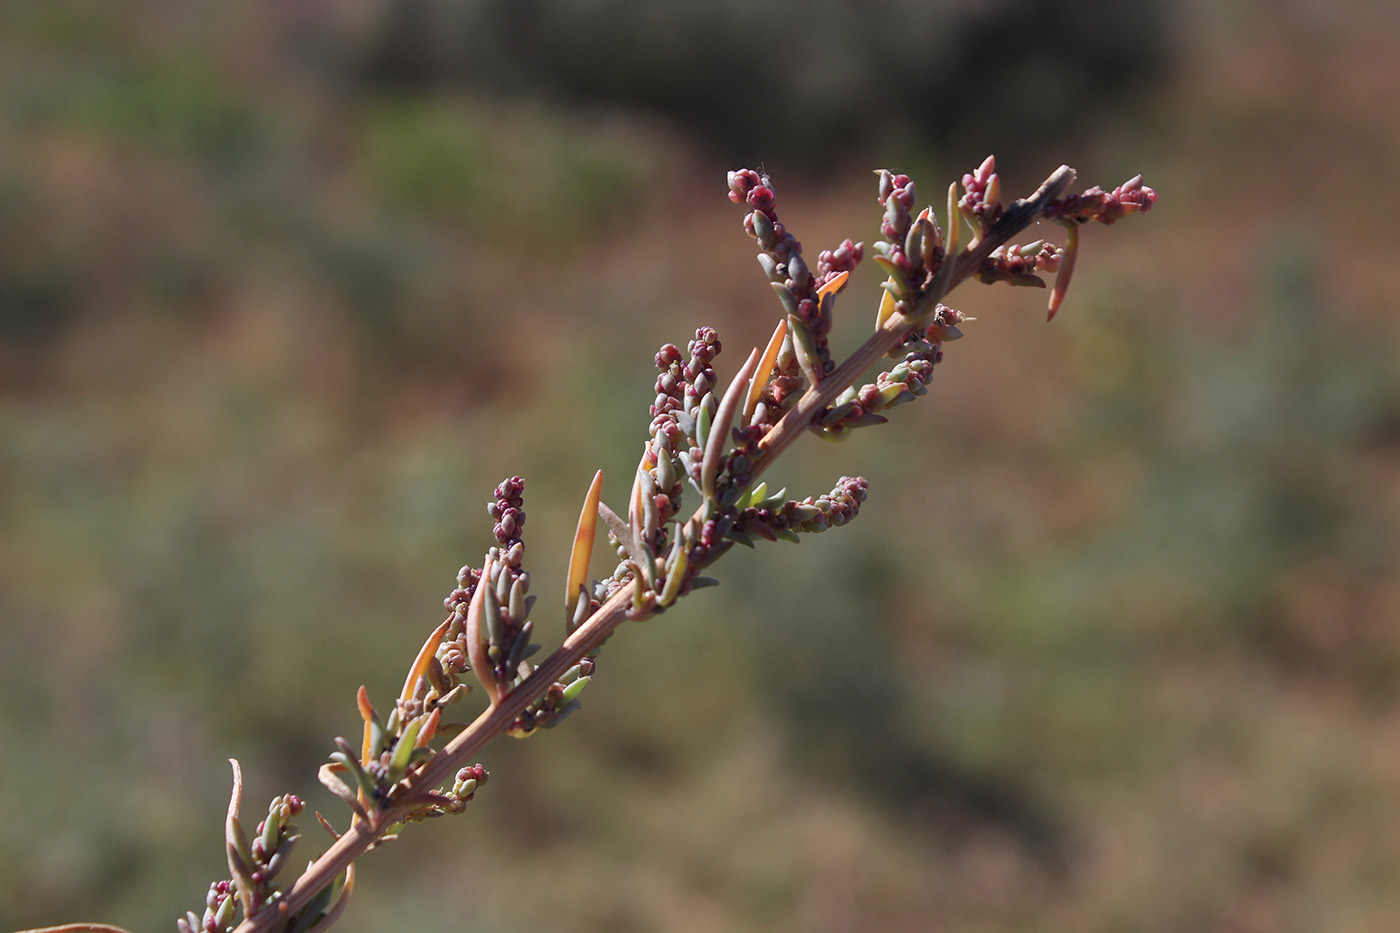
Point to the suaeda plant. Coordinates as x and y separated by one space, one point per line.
412 762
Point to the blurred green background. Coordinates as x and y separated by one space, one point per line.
285 289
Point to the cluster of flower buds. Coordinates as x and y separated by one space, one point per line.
981 200
254 865
490 619
558 702
806 298
685 407
274 838
761 515
913 249
451 800
1105 207
906 381
220 911
1094 204
490 608
389 749
464 786
1018 264
685 441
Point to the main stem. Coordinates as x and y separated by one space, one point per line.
586 639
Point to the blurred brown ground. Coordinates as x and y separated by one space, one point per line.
1114 645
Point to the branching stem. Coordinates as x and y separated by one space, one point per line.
498 719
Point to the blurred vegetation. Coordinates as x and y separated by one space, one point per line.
1115 644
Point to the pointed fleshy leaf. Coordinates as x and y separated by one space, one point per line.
399 761
724 420
798 271
770 266
582 607
772 500
1066 270
271 827
572 691
420 663
950 257
346 756
518 606
764 372
520 649
954 221
650 518
702 426
675 576
833 285
753 496
786 296
374 729
476 642
886 307
430 727
504 581
492 618
889 265
646 563
930 239
804 347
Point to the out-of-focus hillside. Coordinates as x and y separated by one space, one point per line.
1114 644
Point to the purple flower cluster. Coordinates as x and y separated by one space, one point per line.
1018 265
913 248
1105 207
220 905
906 381
254 864
683 390
981 200
489 629
811 515
798 288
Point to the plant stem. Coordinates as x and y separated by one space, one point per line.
498 719
1014 219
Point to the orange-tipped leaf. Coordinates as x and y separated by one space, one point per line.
770 356
837 283
582 551
425 656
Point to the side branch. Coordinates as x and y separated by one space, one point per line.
1017 217
438 770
